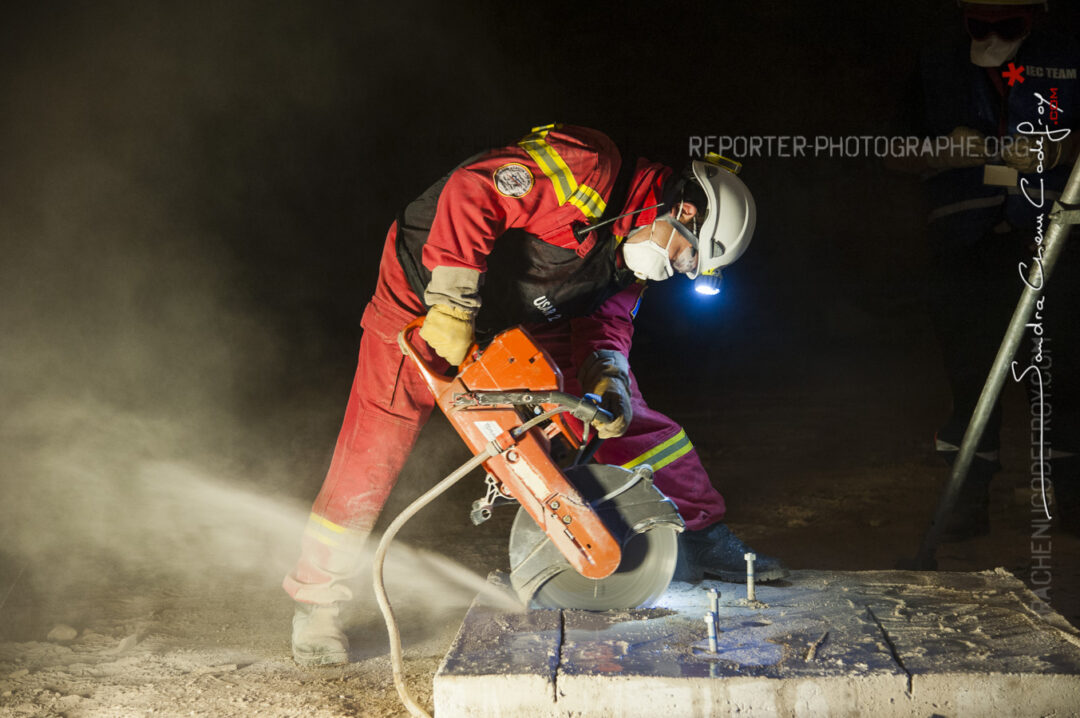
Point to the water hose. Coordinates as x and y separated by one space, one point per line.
396 662
396 659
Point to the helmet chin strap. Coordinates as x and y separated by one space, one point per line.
694 230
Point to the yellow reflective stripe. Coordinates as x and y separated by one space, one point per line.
327 532
589 201
676 453
656 450
326 540
326 523
662 455
550 164
585 198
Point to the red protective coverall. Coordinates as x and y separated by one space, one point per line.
572 173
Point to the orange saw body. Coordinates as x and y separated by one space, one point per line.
524 470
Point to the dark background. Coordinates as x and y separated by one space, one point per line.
193 198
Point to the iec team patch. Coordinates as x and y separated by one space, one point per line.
513 180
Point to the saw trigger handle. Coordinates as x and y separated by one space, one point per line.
434 378
602 415
586 408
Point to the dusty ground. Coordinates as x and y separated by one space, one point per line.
823 459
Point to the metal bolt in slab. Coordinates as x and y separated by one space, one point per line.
714 602
751 594
710 625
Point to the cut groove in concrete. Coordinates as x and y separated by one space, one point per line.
892 647
883 643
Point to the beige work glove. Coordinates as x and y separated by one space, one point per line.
1023 156
607 374
449 331
1023 153
967 148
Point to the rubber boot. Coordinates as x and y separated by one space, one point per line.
715 551
317 636
971 515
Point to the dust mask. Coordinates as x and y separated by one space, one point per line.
647 260
992 51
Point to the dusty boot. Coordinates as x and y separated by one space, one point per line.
715 551
317 638
971 515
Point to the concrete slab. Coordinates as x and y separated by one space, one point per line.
882 643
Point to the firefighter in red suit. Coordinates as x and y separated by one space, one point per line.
558 232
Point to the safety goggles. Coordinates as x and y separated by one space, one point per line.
1008 29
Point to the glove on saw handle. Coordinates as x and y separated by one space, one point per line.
607 374
449 331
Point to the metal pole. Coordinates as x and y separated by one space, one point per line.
1064 214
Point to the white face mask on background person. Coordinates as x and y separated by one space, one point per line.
992 51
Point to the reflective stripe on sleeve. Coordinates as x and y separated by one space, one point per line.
589 201
662 455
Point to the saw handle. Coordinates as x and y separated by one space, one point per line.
434 378
584 408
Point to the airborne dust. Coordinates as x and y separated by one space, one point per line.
164 364
189 201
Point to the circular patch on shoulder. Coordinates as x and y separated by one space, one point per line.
513 180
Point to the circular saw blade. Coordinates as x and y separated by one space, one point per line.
642 577
649 552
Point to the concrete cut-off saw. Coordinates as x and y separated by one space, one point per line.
586 535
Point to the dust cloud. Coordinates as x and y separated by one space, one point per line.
167 303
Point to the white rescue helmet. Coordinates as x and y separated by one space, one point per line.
724 226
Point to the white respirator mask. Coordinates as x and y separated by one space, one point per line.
992 51
647 260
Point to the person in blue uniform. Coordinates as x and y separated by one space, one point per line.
1004 93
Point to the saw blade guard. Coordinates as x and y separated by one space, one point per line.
639 516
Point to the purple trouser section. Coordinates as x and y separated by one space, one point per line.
683 479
